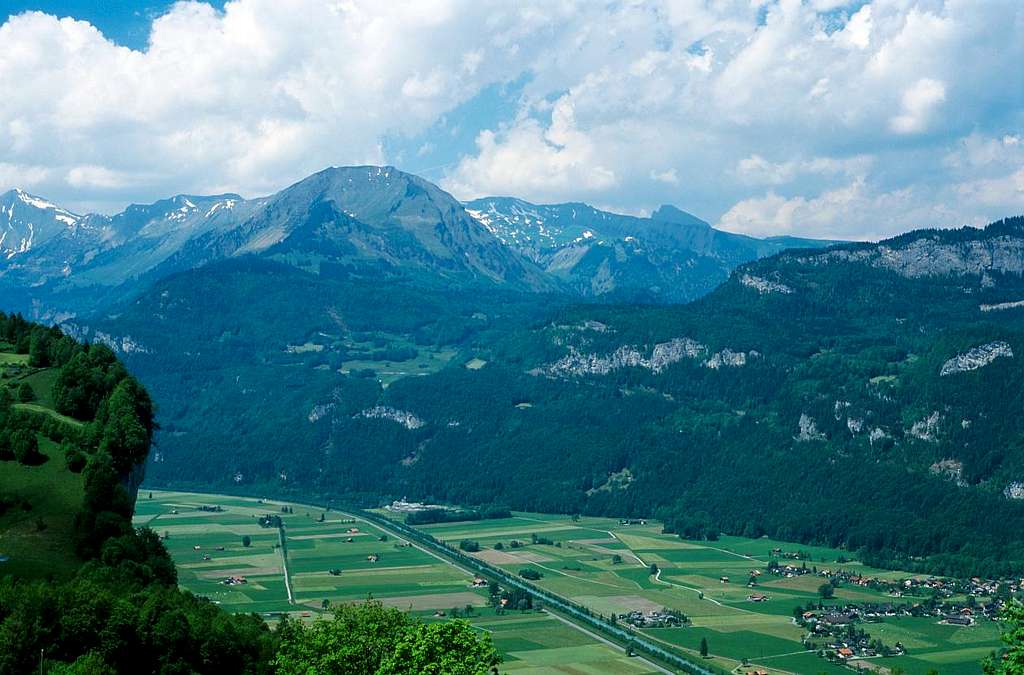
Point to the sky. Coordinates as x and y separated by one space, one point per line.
823 118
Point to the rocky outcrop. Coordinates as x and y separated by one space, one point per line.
933 255
926 429
764 286
403 417
808 430
319 411
662 355
977 357
999 306
727 358
951 469
1014 490
121 345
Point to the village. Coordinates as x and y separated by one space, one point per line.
840 631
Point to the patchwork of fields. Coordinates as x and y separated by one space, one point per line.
597 562
582 563
403 576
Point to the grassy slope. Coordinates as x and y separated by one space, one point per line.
53 492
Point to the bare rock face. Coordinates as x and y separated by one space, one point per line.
727 358
764 286
809 429
878 434
951 469
999 306
403 417
977 357
931 256
926 429
662 355
676 349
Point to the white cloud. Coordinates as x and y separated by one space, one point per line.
247 99
97 177
668 176
857 31
836 116
1006 192
919 101
851 211
759 171
529 159
761 111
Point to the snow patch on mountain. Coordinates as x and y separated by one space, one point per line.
976 357
33 201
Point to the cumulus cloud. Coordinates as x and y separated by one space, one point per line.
825 117
246 99
544 162
834 111
919 101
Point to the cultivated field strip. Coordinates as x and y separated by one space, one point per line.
324 565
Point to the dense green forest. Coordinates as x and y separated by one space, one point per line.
118 608
835 423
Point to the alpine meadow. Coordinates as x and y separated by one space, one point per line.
354 338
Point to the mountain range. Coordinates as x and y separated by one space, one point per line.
363 335
365 222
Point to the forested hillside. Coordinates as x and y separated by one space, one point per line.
864 396
82 591
79 585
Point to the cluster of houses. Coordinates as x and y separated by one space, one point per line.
235 581
664 618
787 571
836 628
947 613
632 521
790 555
932 589
929 586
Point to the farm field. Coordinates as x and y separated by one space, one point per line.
605 565
403 576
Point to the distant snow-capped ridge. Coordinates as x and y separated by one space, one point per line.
27 221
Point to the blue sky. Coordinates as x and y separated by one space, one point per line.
821 117
126 22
